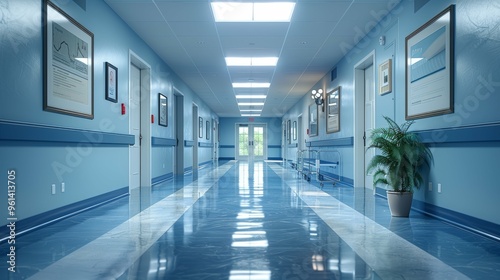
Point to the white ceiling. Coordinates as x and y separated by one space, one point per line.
184 34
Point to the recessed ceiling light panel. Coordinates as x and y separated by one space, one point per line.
252 12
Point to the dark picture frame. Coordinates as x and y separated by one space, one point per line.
333 110
111 82
289 131
207 132
430 67
294 130
200 127
313 120
68 60
162 110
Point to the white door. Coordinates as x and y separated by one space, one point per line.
251 142
215 125
135 127
369 121
197 133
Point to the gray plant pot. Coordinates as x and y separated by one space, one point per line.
400 203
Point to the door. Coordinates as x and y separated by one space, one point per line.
251 142
135 127
197 133
369 121
179 133
215 125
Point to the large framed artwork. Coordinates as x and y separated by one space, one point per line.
430 67
162 110
333 110
68 64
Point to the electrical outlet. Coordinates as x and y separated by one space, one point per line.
63 187
439 188
53 188
430 186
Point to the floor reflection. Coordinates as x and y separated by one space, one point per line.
249 226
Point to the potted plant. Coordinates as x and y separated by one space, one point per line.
398 164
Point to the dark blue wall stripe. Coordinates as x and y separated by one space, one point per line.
227 146
226 158
188 143
51 216
205 145
163 142
275 158
347 141
10 131
162 178
481 133
479 226
274 146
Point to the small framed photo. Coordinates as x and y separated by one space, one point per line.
200 127
162 110
111 83
385 77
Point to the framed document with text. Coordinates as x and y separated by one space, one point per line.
68 64
430 67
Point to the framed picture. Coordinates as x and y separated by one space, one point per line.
162 110
68 64
200 127
208 130
430 67
289 131
313 120
385 77
111 83
333 110
294 130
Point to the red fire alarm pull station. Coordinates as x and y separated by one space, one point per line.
123 109
152 118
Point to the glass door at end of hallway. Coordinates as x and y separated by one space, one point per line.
251 142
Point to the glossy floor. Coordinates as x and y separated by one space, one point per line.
254 220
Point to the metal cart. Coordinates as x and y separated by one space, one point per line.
327 166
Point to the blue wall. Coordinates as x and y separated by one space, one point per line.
227 128
465 151
89 156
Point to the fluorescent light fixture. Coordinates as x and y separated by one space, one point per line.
251 85
251 61
243 96
251 111
250 115
251 104
252 12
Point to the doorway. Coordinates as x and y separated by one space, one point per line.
364 119
179 132
215 130
251 143
139 126
197 133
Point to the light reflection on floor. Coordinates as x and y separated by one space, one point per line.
243 220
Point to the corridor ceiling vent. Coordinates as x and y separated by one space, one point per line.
252 12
